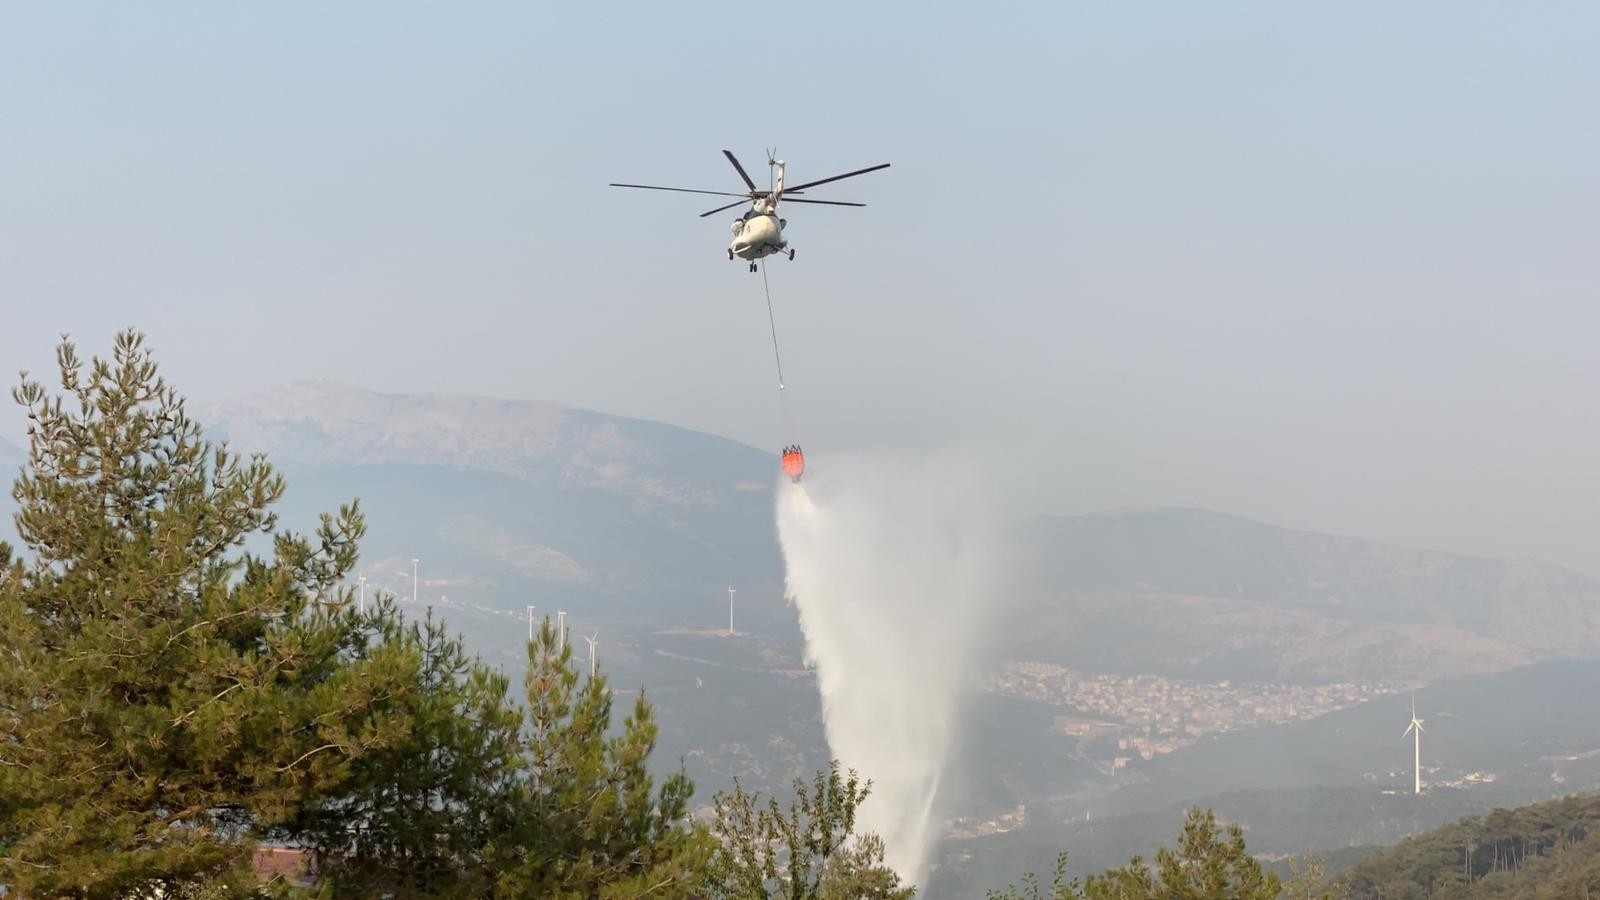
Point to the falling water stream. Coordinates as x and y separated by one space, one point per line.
891 566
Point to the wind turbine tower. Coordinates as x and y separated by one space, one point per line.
361 598
531 608
593 642
414 581
1415 729
561 630
730 609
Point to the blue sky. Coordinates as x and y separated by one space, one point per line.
1332 266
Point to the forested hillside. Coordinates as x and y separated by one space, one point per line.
1546 850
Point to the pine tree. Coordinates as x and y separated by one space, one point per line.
1308 879
1210 863
589 823
166 695
807 852
1061 887
421 816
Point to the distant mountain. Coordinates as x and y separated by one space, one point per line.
1339 781
541 500
513 502
651 464
1201 593
11 455
1549 849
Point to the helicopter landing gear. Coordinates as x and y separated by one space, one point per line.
754 267
791 254
730 254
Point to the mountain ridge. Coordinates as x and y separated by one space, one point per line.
517 498
1188 562
1136 509
1307 569
11 455
566 501
240 420
307 401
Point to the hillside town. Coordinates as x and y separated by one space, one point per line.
1150 715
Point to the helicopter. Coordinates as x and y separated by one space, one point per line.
759 232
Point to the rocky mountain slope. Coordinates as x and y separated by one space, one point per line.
654 465
1202 593
535 499
514 502
10 454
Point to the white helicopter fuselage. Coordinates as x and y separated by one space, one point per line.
757 235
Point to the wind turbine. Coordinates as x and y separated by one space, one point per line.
531 608
1415 729
730 609
593 641
561 630
414 562
361 602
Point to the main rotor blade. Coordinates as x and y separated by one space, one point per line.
653 187
742 173
721 208
835 178
787 199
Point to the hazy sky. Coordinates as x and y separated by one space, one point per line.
1334 267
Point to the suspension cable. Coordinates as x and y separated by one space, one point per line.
773 322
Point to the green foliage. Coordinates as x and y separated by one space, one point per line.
1061 887
1543 850
1205 866
163 692
1308 879
168 698
807 852
419 815
584 819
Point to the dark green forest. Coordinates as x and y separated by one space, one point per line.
1545 850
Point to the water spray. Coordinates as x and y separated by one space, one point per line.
891 566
